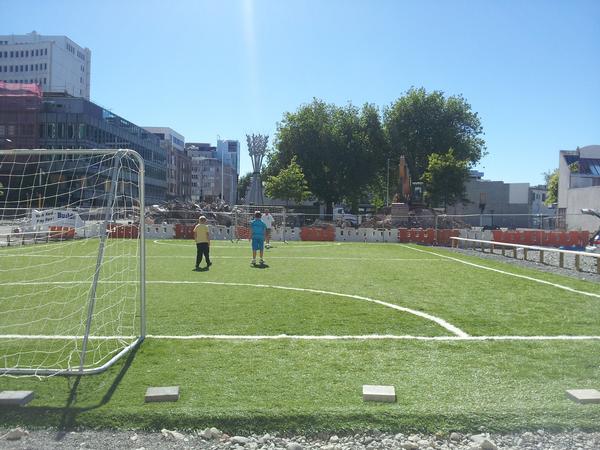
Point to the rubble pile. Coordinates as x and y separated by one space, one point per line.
175 211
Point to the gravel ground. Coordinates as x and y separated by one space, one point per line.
214 439
587 265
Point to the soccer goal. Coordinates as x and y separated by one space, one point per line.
242 215
71 260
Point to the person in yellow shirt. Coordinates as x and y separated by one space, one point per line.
202 237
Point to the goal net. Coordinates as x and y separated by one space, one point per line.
71 259
242 215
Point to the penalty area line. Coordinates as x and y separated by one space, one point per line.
503 272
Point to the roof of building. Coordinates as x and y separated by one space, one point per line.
20 90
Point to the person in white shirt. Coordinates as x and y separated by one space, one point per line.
268 220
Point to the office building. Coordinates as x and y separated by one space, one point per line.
60 121
55 63
179 164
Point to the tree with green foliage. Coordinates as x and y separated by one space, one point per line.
289 184
551 187
243 184
338 148
421 123
445 179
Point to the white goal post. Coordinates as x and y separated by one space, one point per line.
72 259
242 215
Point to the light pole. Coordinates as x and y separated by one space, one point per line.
222 158
387 184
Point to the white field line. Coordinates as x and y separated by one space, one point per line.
244 244
525 277
367 337
217 257
449 327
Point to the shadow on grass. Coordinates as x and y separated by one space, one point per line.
65 418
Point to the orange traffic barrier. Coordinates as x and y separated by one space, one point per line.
122 231
61 233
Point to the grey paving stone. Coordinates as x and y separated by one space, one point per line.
19 398
584 395
375 393
162 394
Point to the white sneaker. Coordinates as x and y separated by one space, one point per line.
262 261
253 263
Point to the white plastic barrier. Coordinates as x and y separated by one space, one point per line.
164 231
366 235
476 234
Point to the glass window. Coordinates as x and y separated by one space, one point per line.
2 130
61 130
51 130
70 131
22 53
26 53
41 130
81 131
36 52
36 67
11 54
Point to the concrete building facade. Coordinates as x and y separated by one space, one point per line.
55 63
495 204
214 170
179 164
579 187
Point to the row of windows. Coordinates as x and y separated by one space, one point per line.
31 80
24 68
24 53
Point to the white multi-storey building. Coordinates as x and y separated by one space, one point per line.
56 63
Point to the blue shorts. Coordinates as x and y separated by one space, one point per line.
258 243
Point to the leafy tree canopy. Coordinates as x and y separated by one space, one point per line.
551 187
338 148
289 184
243 184
419 124
445 179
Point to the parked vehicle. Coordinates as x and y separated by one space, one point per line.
340 216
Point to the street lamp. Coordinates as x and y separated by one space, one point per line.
222 158
387 184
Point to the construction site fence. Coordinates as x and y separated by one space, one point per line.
423 219
425 236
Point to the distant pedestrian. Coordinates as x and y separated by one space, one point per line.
202 237
258 229
268 219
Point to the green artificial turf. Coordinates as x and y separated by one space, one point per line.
305 385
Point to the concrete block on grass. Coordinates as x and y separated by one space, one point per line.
584 395
162 394
374 393
15 398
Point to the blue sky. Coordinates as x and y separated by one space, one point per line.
531 69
